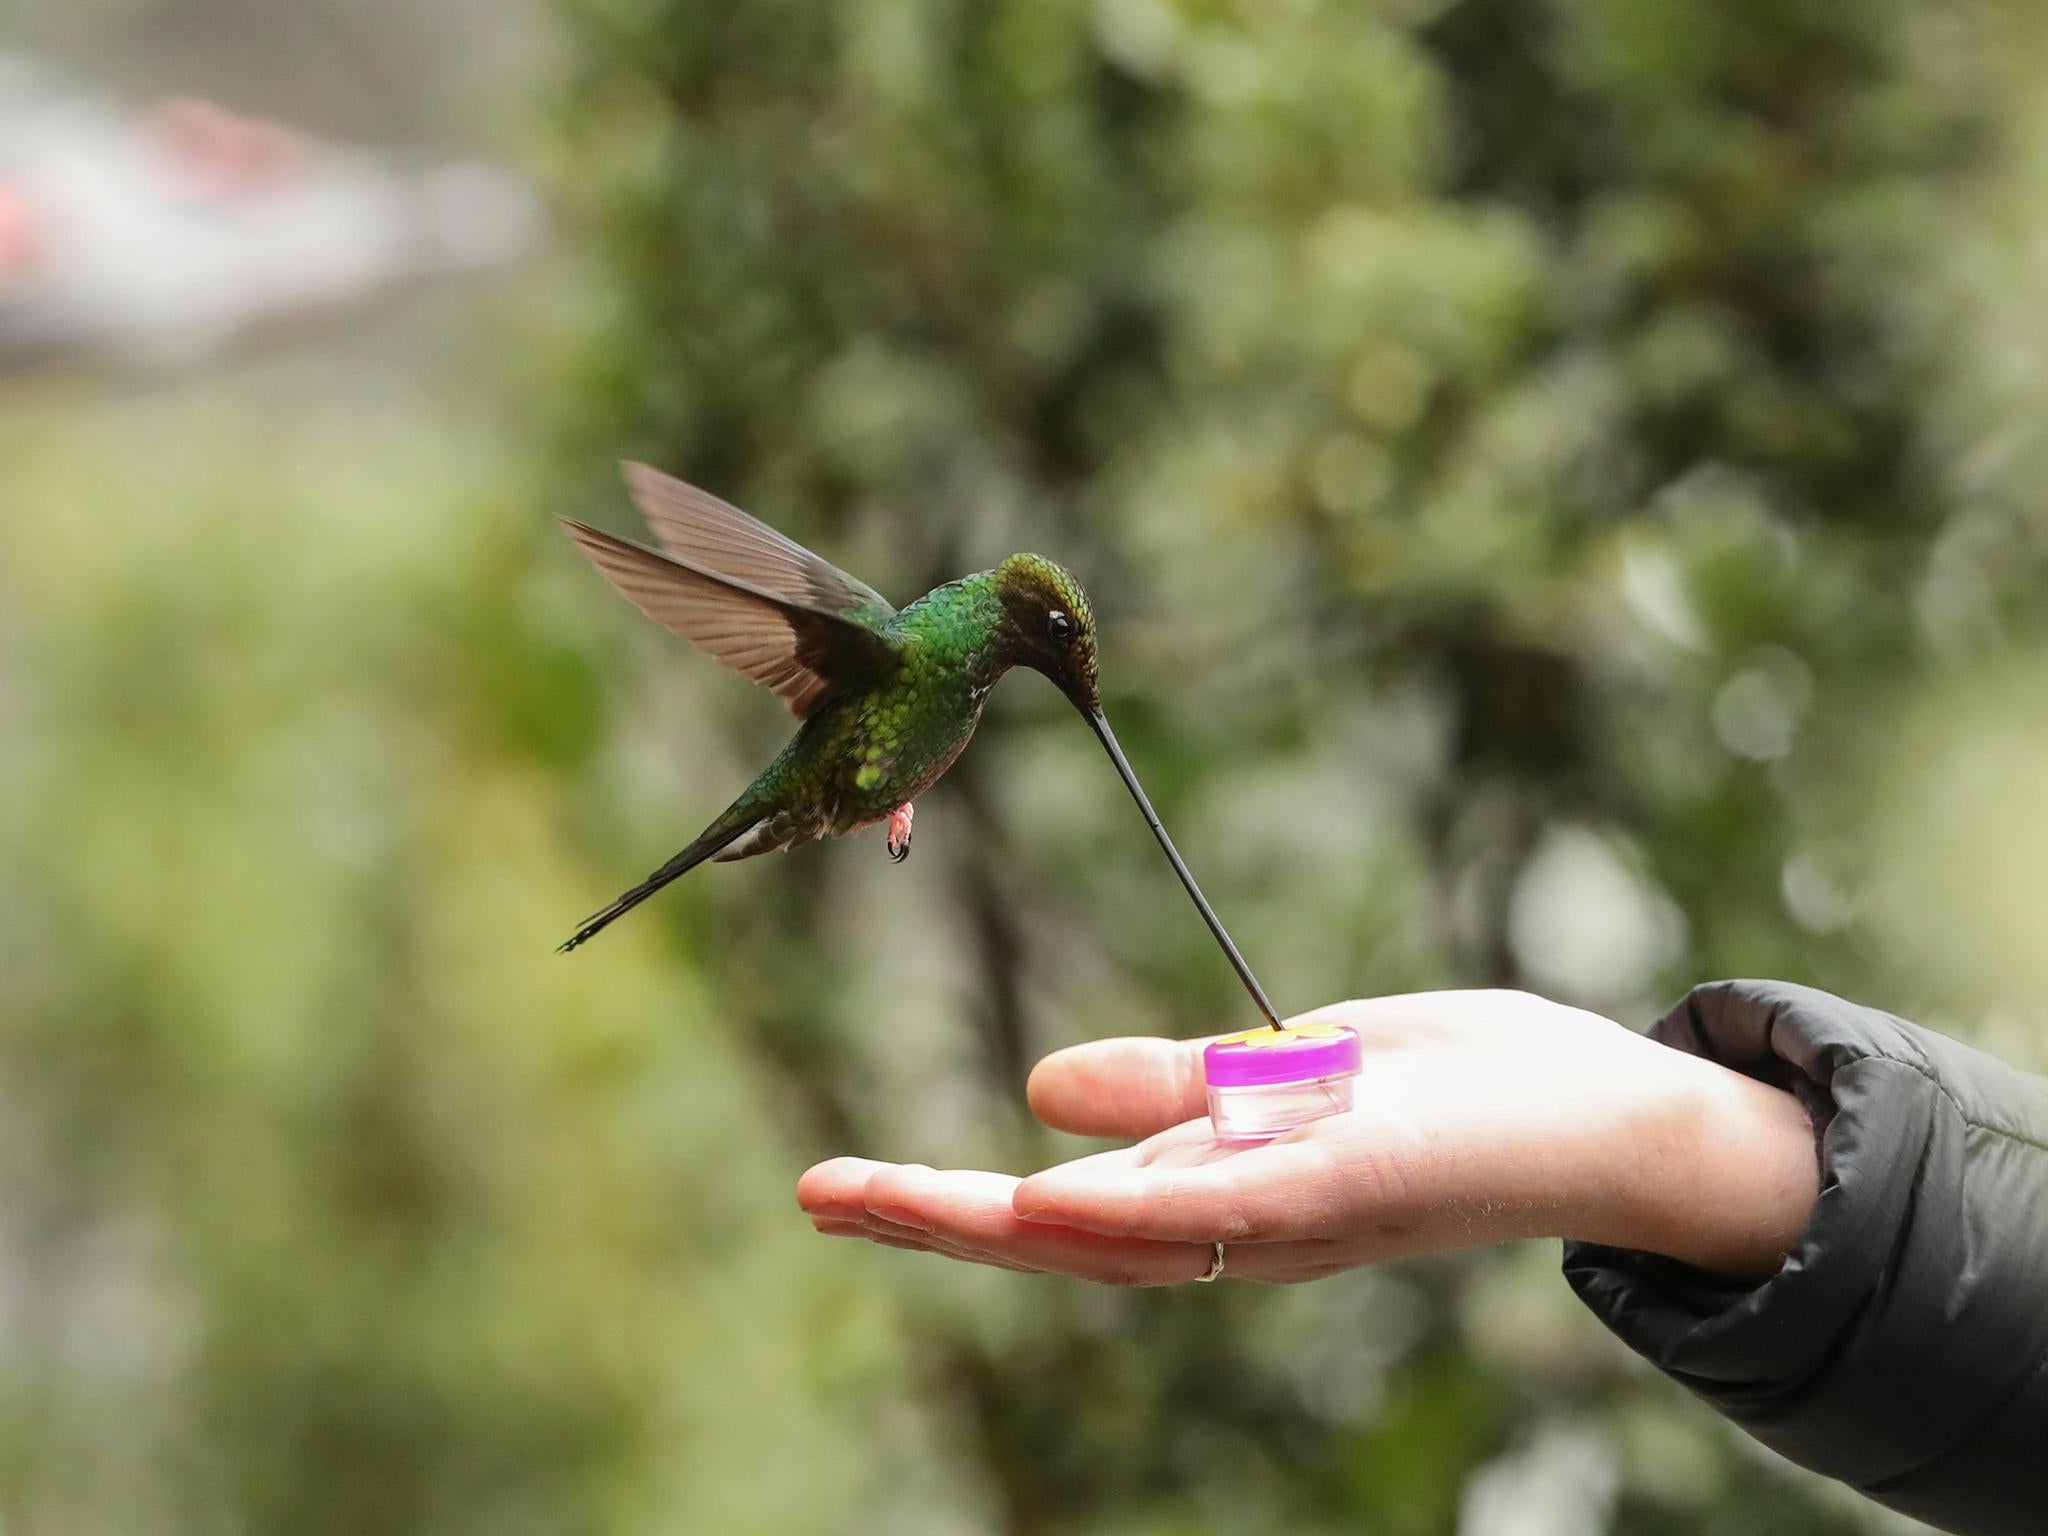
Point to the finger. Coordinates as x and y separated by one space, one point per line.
832 1194
1296 1261
872 1226
1286 1263
972 1212
891 1235
1281 1191
957 1215
1134 1085
1190 1142
833 1188
875 1232
1130 1087
886 1238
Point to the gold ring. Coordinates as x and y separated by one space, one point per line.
1215 1268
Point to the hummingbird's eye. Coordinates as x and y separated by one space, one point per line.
1059 627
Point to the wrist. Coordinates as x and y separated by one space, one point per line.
1733 1177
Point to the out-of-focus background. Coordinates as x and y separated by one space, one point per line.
1561 482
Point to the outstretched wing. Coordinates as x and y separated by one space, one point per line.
803 653
715 536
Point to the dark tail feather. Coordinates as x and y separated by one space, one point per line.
719 836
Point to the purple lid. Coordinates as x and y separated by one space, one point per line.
1301 1053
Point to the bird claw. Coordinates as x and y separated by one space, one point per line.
899 833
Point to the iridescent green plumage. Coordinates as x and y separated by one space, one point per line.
888 699
863 754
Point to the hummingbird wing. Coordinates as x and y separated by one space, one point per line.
715 536
802 653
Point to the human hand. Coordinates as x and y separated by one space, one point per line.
1480 1117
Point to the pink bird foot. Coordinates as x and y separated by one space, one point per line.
899 831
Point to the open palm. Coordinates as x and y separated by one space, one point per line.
1480 1117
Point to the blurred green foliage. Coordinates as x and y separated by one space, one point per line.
1560 485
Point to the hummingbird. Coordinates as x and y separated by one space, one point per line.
887 697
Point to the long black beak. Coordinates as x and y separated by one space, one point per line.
1123 766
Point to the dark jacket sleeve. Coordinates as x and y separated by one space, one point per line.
1903 1345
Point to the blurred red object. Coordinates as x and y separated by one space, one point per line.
216 153
20 244
162 238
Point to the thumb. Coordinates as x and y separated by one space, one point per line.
1129 1087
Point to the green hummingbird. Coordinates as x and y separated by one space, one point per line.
888 697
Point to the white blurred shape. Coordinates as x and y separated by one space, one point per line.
1585 925
149 255
1141 35
1817 901
473 217
1654 586
1957 603
1757 711
1564 1484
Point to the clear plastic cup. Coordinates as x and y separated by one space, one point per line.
1266 1082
